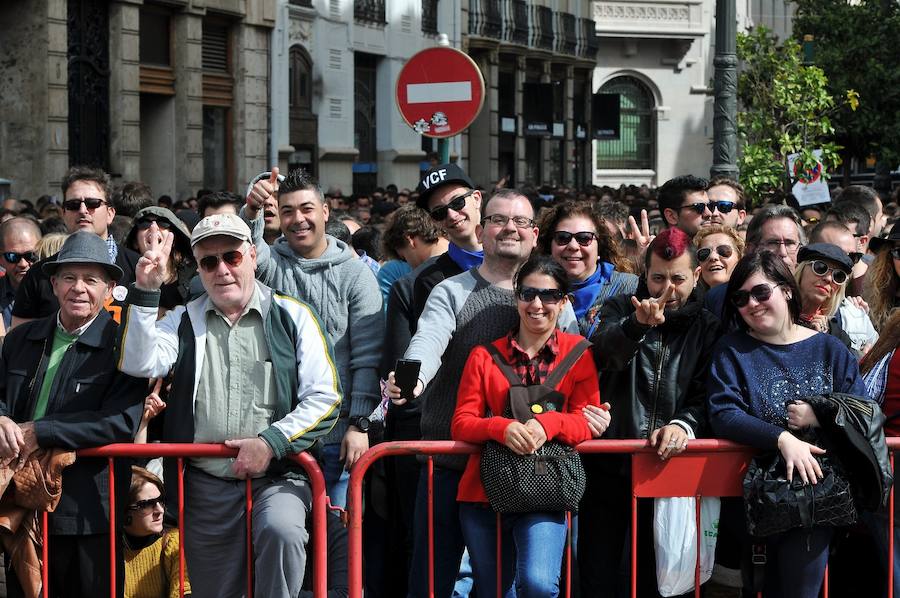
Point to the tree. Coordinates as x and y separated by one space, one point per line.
856 45
785 109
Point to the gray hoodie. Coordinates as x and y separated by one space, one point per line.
342 290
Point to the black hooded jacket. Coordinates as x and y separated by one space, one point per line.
652 375
853 428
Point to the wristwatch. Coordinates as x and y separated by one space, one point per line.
362 422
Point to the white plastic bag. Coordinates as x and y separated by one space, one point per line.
675 535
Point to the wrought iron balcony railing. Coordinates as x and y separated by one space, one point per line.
429 16
515 21
541 27
484 18
371 11
588 42
566 37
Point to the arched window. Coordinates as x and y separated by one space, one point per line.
300 75
635 146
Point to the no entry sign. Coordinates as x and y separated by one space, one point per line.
440 91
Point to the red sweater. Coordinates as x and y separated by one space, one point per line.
891 404
484 385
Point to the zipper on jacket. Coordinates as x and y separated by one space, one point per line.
658 376
32 397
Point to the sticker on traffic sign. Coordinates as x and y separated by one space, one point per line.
439 92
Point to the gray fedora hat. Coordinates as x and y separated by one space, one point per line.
84 247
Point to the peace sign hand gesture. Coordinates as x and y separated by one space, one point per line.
641 236
650 312
152 268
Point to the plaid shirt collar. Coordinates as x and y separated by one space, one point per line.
532 370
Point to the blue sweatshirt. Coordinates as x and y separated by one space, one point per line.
750 381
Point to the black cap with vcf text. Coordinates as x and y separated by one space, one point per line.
438 176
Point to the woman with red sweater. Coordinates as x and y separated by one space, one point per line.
532 543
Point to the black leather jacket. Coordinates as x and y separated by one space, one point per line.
651 376
853 428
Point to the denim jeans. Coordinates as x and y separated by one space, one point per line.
796 562
877 523
531 553
448 538
336 479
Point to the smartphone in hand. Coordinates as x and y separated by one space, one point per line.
406 376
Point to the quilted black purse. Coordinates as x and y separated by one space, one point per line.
551 479
774 505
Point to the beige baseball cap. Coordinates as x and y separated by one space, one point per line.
221 224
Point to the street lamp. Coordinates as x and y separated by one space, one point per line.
725 92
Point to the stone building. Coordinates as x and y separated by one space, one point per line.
335 66
658 56
174 92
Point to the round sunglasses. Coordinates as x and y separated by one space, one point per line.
583 238
724 251
820 268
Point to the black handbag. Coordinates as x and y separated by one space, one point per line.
774 505
551 479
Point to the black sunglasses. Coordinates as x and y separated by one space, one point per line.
234 258
13 258
725 251
760 292
92 203
148 504
820 268
699 208
145 223
583 238
547 296
895 253
455 204
723 206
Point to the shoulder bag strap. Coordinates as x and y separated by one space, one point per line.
563 367
504 366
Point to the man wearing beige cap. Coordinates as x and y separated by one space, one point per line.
239 379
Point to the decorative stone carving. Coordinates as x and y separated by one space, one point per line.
300 31
641 12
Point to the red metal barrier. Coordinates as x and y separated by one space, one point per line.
707 468
182 451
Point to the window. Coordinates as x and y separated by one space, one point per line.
634 149
218 96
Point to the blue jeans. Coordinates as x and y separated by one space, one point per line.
796 563
336 479
877 523
448 537
531 554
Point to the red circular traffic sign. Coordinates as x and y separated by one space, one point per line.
440 91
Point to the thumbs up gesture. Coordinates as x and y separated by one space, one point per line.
262 191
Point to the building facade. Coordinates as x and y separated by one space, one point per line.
174 93
658 56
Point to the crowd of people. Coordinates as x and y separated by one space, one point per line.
273 323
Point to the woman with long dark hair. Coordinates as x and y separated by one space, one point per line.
882 286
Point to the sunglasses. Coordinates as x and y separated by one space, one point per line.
761 292
724 251
699 208
895 253
723 206
145 506
584 238
92 203
234 258
144 224
547 296
820 268
456 204
13 258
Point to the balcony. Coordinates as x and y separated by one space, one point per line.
655 19
588 42
370 11
484 18
515 21
566 38
429 16
541 30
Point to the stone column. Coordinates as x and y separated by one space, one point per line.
124 90
188 66
250 118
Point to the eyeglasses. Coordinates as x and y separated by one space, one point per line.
723 206
92 203
14 258
895 253
724 251
456 204
820 268
145 223
146 506
501 220
697 207
234 258
583 238
547 296
790 245
760 292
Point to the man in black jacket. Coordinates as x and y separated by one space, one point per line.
653 352
59 388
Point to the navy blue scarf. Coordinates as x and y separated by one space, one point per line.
584 293
464 258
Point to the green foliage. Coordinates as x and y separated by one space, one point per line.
785 109
855 43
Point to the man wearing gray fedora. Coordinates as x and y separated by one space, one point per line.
59 388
